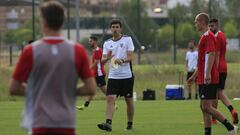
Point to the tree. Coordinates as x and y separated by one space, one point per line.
128 12
8 36
185 33
233 8
179 12
197 6
165 37
22 34
230 29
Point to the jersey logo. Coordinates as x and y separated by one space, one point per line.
121 45
54 50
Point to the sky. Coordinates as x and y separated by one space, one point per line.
172 3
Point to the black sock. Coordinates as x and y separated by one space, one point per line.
86 103
228 125
109 121
207 131
130 123
230 108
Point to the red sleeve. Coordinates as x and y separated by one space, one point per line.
223 39
98 55
211 44
82 62
24 65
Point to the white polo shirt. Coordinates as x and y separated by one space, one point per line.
119 49
191 58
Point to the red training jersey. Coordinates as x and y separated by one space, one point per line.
207 43
99 69
222 44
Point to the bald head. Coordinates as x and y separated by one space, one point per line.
201 22
203 17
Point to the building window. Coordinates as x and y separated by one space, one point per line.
12 25
12 14
22 11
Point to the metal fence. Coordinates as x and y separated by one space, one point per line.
9 54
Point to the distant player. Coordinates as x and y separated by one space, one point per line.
119 50
98 69
191 66
222 68
208 76
47 73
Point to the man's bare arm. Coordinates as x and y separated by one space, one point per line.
17 88
88 88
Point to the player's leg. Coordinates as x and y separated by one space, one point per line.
113 87
130 112
189 85
109 113
102 84
215 105
110 108
208 95
207 121
127 92
196 90
228 104
225 99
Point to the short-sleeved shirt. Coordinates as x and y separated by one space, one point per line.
207 44
119 49
51 67
222 44
99 69
191 58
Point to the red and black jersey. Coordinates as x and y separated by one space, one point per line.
206 44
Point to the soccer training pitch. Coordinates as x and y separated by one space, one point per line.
151 118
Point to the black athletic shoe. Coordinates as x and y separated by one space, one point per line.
105 126
129 127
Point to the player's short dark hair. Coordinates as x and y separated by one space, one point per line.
93 38
53 13
214 20
116 21
30 41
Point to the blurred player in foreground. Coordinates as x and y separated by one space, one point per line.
47 72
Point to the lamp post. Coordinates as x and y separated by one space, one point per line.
68 19
77 20
210 8
139 29
33 20
174 40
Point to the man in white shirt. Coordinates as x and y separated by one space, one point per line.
119 50
191 65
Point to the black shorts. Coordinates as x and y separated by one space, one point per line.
189 74
100 80
208 91
120 87
222 80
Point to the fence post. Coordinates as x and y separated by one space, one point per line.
10 55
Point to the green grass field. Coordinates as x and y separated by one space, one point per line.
151 118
